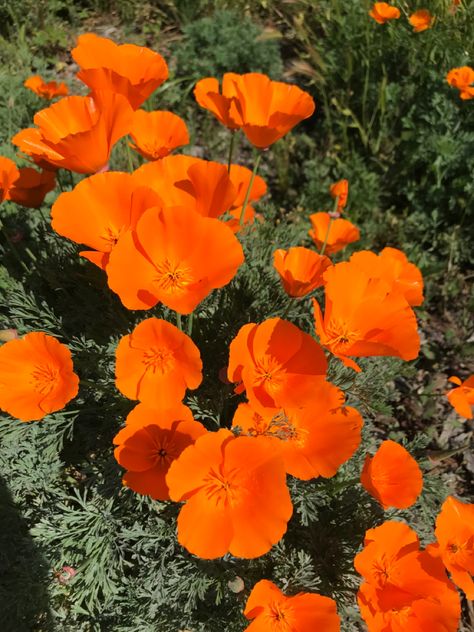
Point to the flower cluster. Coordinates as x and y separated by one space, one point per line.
170 233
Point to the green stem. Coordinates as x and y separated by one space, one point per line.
247 194
131 164
189 328
334 210
231 149
179 323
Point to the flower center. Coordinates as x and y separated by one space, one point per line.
279 618
172 278
339 335
221 488
44 378
269 374
111 235
159 360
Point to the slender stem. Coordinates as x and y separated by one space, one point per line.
13 249
231 149
189 328
131 164
179 323
247 194
334 210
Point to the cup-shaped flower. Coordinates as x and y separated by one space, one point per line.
300 269
235 493
218 101
156 134
276 363
201 185
174 256
315 439
392 476
99 209
77 133
462 78
36 376
421 20
31 187
462 397
382 12
364 317
272 611
268 109
405 588
392 266
46 89
336 233
132 71
455 536
9 172
340 190
151 440
156 363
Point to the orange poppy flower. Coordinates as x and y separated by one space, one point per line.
36 376
98 210
421 20
462 78
363 317
8 174
31 187
272 611
176 257
392 476
156 134
268 109
392 266
341 232
462 398
276 363
316 439
201 185
383 12
152 439
300 269
235 493
132 71
156 363
210 97
455 535
46 90
405 588
77 133
340 190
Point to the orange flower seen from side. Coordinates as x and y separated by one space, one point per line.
131 71
9 172
364 317
152 439
98 210
463 79
156 134
218 100
156 363
77 133
341 232
405 588
235 494
201 185
392 476
276 363
300 269
392 266
174 256
462 397
382 12
46 90
272 611
266 109
455 535
421 20
36 376
31 187
316 439
340 190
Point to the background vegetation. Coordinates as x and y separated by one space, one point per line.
386 120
